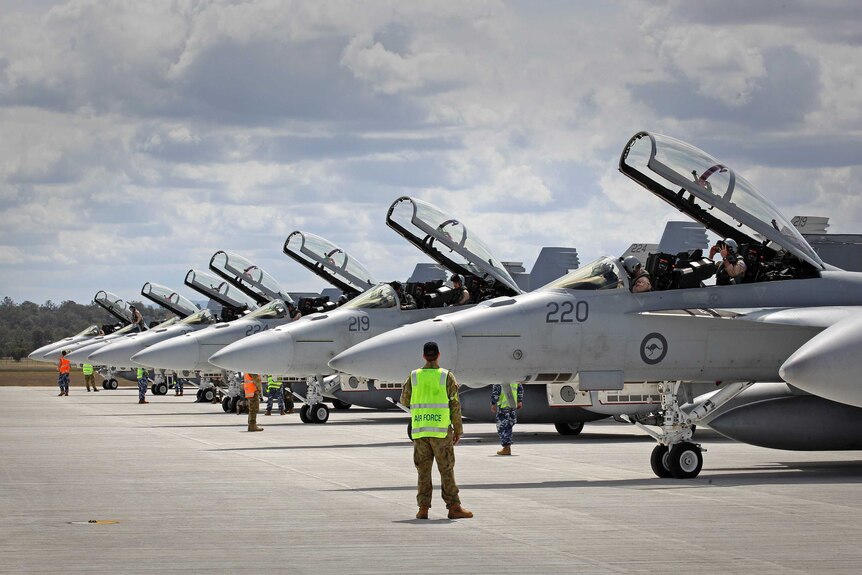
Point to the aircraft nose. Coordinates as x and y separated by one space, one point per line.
269 352
80 355
117 354
179 353
828 365
393 355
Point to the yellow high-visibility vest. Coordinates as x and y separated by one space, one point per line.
429 403
87 369
141 373
503 402
272 383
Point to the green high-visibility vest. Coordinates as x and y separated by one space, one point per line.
87 369
429 403
140 373
503 402
272 383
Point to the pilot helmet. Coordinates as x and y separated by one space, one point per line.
396 285
731 244
456 278
631 263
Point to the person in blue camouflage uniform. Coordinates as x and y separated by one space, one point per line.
506 400
178 386
273 391
142 385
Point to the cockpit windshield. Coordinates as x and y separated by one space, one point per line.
447 240
168 299
328 261
91 331
202 317
683 175
272 310
113 305
236 268
603 274
379 297
218 289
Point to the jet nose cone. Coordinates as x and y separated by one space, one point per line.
394 354
116 354
179 353
829 364
269 352
80 355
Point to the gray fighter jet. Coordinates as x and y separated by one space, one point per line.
589 330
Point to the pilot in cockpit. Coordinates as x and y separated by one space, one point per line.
292 312
638 276
407 301
462 296
732 267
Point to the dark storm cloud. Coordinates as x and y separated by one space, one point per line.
780 98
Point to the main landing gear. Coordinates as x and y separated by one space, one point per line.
676 455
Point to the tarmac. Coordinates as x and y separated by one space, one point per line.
181 487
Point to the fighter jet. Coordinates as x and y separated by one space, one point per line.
588 329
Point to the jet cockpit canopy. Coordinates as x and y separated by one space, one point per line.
219 290
328 261
448 242
711 193
114 305
168 299
91 331
201 317
603 274
273 310
248 277
380 296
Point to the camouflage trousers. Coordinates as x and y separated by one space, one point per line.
275 393
63 381
178 385
506 420
425 451
253 408
90 380
142 388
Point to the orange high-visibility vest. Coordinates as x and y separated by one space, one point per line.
249 386
65 365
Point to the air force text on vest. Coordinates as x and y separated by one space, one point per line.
427 417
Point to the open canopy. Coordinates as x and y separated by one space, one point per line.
168 299
219 290
711 193
447 241
248 277
114 305
328 261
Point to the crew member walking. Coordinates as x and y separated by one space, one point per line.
89 378
431 394
506 400
142 385
251 387
273 389
64 367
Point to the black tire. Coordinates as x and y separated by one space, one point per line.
233 401
199 395
659 461
161 388
303 414
104 384
207 395
319 413
570 428
225 404
685 460
113 384
341 405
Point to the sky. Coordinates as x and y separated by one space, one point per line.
138 138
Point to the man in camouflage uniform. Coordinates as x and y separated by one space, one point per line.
143 380
274 392
506 400
89 378
254 402
436 429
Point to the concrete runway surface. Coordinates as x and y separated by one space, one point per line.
192 492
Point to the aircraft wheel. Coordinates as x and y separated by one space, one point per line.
234 401
341 405
198 395
207 395
303 414
112 384
685 460
225 404
571 428
658 461
161 389
319 413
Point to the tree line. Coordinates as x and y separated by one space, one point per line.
27 326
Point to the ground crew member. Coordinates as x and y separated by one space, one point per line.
431 394
142 385
64 368
251 386
273 389
506 400
178 386
137 318
89 378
